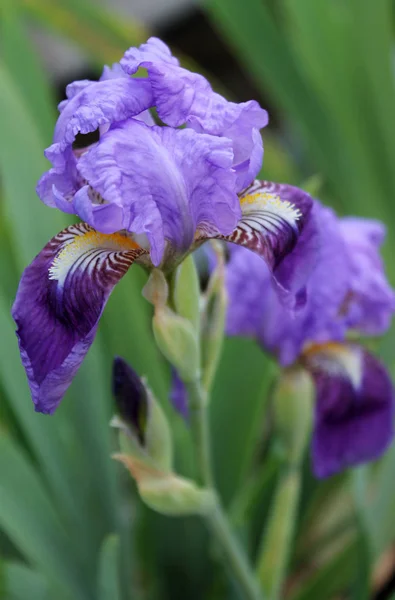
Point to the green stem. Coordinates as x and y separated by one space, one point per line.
277 541
200 432
217 521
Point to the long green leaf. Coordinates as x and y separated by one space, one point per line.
23 65
108 584
29 519
22 583
236 411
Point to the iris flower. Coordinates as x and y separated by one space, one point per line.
145 193
347 293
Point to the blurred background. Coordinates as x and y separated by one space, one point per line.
71 526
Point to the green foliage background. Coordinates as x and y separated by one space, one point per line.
71 526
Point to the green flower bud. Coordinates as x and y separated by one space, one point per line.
144 431
178 341
293 411
166 492
186 292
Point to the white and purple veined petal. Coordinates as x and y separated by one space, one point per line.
168 182
354 407
276 225
182 97
273 217
60 299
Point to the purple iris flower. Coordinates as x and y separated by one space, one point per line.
146 193
347 290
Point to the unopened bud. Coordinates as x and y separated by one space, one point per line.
144 431
166 492
293 411
178 341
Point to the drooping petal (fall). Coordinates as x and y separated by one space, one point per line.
60 299
354 407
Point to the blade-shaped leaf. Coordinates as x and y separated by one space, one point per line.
20 583
29 519
109 584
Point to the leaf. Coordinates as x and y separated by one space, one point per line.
21 163
331 578
29 519
23 65
109 583
236 411
22 583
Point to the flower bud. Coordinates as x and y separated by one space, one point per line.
178 341
166 492
186 292
144 431
293 411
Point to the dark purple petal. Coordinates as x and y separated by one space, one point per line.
60 299
167 181
179 395
131 397
354 407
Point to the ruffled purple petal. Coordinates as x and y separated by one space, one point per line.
57 187
167 181
354 407
182 97
59 301
370 302
106 218
100 103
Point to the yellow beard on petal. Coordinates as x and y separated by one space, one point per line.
272 202
86 241
337 359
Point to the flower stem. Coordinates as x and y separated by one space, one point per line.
277 542
217 521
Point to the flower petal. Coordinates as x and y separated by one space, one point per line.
354 407
131 397
100 103
182 97
60 299
370 301
273 217
166 181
